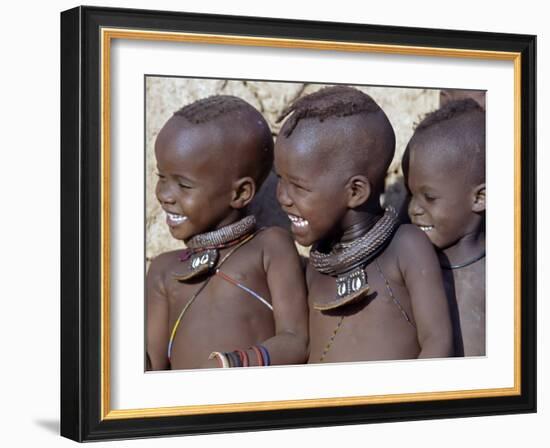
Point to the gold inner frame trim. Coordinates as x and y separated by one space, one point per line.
107 35
105 182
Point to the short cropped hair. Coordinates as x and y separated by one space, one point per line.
336 101
207 109
449 111
462 122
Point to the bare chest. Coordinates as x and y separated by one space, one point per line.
465 290
466 287
380 326
230 293
227 310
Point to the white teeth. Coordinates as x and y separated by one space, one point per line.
426 228
176 219
297 221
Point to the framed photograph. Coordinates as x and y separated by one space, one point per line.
124 73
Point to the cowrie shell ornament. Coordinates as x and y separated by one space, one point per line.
350 287
197 265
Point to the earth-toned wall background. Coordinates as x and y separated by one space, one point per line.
405 107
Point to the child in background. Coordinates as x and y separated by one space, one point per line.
444 167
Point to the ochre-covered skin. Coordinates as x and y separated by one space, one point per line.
331 175
209 173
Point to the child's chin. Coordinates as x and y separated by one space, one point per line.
433 239
303 240
178 234
434 242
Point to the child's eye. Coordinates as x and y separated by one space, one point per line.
160 176
429 197
299 187
183 185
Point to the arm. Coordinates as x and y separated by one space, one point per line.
422 274
157 317
285 279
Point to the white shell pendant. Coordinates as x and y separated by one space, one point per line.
350 287
197 265
351 282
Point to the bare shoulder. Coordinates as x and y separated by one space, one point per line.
411 246
278 248
409 237
163 263
275 239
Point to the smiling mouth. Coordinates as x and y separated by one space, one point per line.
425 228
174 219
297 221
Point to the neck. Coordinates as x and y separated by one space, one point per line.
468 247
357 223
233 216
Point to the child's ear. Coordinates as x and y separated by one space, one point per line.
478 204
244 190
359 190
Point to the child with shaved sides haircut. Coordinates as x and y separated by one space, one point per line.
374 287
444 167
235 297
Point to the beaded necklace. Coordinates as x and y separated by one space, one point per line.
226 234
344 257
466 263
346 261
202 253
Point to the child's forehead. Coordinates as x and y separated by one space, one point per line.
330 133
460 129
436 160
316 152
306 149
179 141
180 133
183 146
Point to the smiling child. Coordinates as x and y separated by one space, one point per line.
374 288
236 295
444 167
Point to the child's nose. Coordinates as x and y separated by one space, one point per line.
282 194
414 208
164 193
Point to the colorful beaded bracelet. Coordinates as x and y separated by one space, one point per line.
222 359
265 355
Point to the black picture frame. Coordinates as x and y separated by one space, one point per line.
83 409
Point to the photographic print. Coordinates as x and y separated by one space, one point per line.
261 214
459 120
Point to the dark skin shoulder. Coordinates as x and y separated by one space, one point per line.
158 310
420 270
